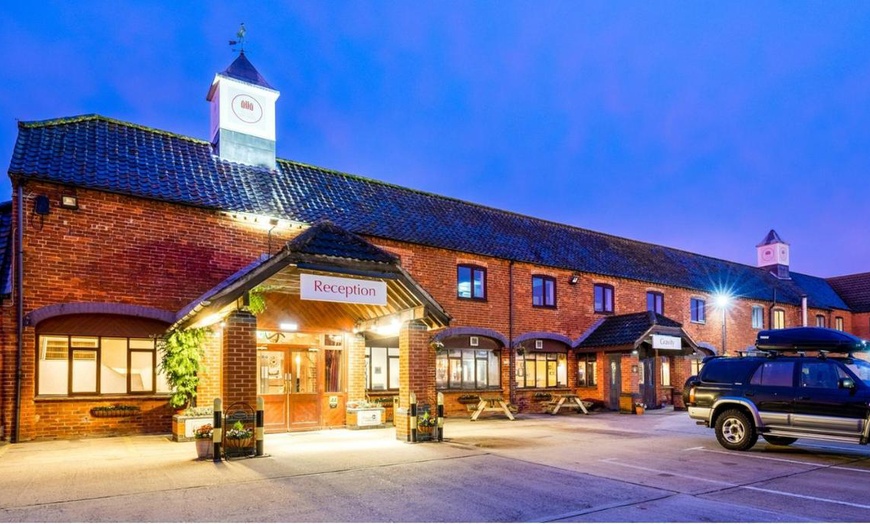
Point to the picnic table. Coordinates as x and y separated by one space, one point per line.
492 403
567 400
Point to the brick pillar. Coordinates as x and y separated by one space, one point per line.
239 359
209 386
356 373
416 373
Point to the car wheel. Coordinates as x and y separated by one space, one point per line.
779 441
735 430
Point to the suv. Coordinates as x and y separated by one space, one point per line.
797 383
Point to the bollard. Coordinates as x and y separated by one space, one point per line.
412 420
217 432
260 422
440 417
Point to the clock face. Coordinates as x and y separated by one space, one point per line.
767 254
247 109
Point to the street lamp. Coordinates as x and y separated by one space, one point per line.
723 302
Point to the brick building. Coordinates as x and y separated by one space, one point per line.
118 234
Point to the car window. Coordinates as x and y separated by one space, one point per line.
726 370
861 369
821 374
775 373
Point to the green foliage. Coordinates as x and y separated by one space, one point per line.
256 300
182 356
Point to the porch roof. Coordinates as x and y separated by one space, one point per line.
323 248
628 332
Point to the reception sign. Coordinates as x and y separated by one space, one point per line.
347 290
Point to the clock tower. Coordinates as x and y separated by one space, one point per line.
243 115
773 255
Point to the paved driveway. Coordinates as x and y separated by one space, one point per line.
602 467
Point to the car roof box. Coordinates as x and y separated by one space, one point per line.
809 339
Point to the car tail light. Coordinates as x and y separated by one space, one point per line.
692 395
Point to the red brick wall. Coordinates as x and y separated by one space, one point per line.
239 359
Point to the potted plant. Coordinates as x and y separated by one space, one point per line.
426 423
639 408
239 436
203 437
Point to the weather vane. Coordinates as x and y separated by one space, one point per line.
240 36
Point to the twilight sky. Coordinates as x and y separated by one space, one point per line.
695 125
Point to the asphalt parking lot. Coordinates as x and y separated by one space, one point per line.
605 467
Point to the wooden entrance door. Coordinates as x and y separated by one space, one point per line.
303 397
614 363
274 385
289 384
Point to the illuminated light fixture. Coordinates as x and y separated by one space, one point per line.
211 319
573 279
723 302
69 202
288 326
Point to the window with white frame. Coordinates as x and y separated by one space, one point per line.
666 371
838 323
77 365
778 319
587 369
467 369
757 317
820 320
382 368
542 370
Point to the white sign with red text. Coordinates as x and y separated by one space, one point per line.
337 289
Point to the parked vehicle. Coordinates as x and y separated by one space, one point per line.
797 383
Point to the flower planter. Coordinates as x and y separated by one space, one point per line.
364 418
204 448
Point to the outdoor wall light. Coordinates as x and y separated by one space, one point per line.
69 202
574 279
288 326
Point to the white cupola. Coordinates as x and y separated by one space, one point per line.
773 255
243 115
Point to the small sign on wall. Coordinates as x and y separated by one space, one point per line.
333 401
666 342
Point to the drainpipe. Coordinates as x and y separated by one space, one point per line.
804 310
770 312
19 306
512 381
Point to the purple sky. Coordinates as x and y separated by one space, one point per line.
696 125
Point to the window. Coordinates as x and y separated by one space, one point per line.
757 317
696 364
98 366
698 308
778 319
542 370
820 320
467 369
603 298
471 282
666 371
822 375
543 291
332 370
838 323
587 367
774 374
382 368
655 301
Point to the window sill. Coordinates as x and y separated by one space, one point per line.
603 312
701 322
101 398
544 307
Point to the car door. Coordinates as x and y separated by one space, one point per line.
822 406
771 389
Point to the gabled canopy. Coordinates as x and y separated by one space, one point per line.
629 332
322 249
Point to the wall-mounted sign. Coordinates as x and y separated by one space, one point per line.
347 290
666 342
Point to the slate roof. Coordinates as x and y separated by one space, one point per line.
242 69
326 239
625 330
855 290
100 153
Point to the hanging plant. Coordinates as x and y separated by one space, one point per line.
180 362
257 299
